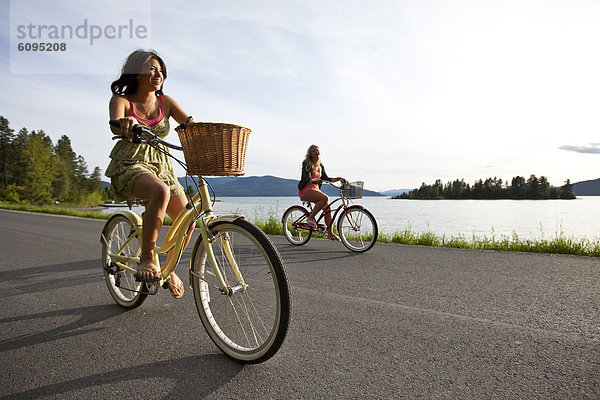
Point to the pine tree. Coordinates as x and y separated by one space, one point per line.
6 137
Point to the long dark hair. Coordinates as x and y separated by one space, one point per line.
136 64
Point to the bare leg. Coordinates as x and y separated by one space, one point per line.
319 198
152 189
321 203
174 208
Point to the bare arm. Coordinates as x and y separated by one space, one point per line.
172 109
118 108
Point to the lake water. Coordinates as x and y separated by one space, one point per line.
533 219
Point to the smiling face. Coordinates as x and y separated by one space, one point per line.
152 78
315 153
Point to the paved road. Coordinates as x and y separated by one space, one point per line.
396 322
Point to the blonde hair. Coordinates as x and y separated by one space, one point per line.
309 163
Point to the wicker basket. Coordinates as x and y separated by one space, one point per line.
214 149
353 190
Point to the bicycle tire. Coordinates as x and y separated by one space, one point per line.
357 228
122 285
249 325
294 234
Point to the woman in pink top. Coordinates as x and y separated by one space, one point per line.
138 170
309 188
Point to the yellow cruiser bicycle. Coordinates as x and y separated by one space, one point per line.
236 274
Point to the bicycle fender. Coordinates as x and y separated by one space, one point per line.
356 206
225 218
296 206
135 220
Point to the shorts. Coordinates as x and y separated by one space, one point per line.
124 174
305 189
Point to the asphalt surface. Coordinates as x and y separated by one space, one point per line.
396 322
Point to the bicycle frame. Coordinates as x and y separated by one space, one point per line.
344 206
176 238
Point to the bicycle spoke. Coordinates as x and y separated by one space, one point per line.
358 229
123 287
246 322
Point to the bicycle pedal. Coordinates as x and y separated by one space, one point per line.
148 288
111 268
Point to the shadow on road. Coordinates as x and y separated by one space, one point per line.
188 377
49 277
302 254
87 316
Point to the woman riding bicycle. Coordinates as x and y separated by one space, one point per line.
309 188
139 171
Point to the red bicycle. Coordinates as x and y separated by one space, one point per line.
356 226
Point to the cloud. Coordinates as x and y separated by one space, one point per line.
592 148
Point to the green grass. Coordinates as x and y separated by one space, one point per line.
560 244
59 210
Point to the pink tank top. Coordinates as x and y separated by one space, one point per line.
149 122
310 186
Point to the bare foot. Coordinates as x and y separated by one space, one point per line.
332 236
176 286
147 271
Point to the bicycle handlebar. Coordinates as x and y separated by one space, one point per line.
138 131
345 182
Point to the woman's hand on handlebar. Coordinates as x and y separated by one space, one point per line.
127 124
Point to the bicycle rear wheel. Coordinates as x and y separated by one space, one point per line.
249 325
358 229
122 285
295 229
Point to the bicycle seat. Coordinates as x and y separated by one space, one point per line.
136 202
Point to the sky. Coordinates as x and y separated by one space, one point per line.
395 92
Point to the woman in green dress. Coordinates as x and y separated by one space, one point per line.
138 171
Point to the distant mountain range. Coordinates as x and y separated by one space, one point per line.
259 186
263 186
587 188
272 186
395 192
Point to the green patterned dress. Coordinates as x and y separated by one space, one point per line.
129 161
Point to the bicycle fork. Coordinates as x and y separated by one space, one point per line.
225 240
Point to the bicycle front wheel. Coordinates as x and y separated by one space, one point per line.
295 228
248 323
122 285
358 229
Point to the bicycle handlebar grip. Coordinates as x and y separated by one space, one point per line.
116 124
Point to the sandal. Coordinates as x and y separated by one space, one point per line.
174 289
311 222
153 271
333 237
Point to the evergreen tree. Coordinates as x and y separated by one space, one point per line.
19 159
63 186
491 188
46 172
566 191
517 187
533 188
40 169
95 180
6 137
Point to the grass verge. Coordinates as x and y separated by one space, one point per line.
560 244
